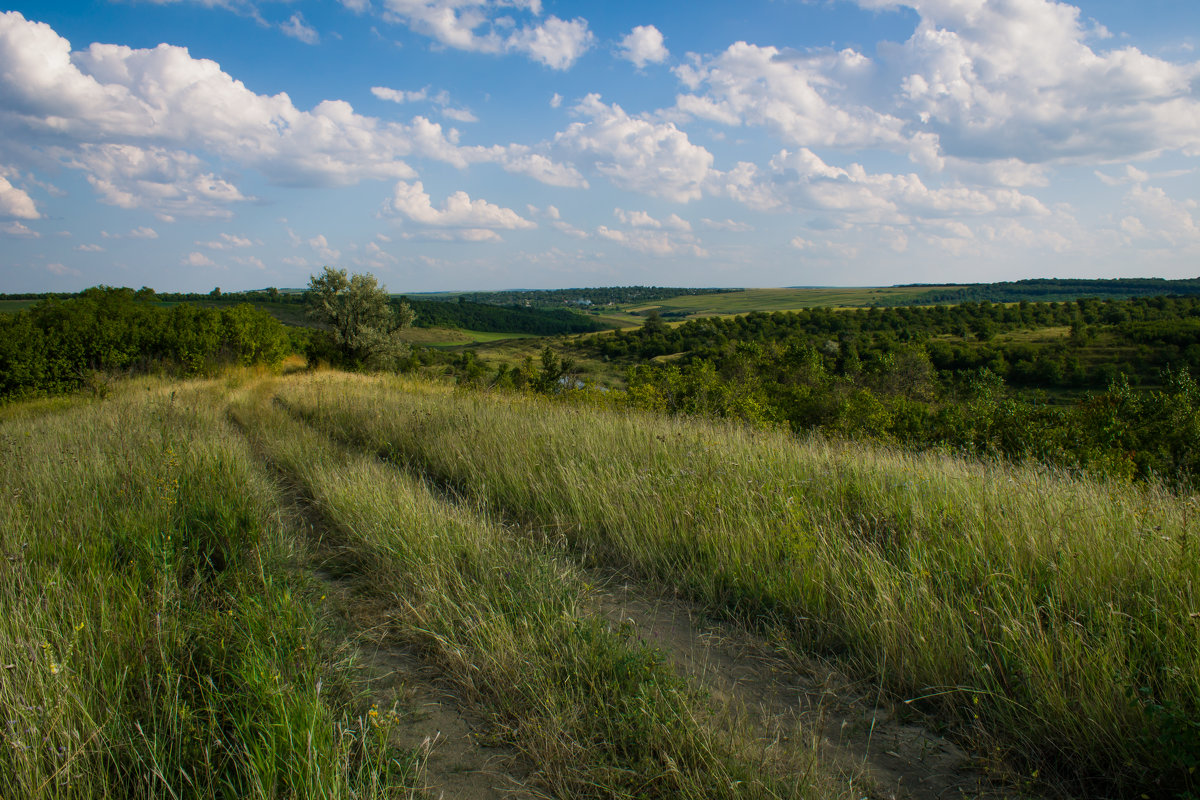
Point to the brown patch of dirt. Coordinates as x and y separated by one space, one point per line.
458 763
861 740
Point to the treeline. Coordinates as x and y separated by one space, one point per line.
500 319
62 345
598 296
1047 289
1101 339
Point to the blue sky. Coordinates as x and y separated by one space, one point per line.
476 144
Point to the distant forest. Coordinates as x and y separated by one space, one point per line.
596 296
1047 289
461 313
500 319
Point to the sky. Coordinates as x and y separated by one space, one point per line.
492 144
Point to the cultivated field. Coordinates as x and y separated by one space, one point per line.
747 300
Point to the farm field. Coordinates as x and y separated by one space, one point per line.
618 604
748 300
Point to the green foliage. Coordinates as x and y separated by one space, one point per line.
362 324
62 345
500 319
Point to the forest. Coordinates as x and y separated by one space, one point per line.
1105 385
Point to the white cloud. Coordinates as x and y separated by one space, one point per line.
19 230
440 99
653 158
229 242
652 242
859 196
644 45
250 261
400 95
322 248
480 25
556 100
196 259
726 225
1159 217
1020 80
162 99
15 202
459 210
297 28
641 219
459 115
809 101
143 233
90 248
462 235
557 43
62 270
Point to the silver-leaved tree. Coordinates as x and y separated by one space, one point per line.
360 319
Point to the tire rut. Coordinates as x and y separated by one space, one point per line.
861 739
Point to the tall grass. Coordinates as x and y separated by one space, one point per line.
508 623
155 641
1054 617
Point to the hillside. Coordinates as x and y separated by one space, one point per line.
550 565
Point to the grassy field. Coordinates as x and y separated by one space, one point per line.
168 552
457 337
1053 619
167 635
12 306
157 641
747 300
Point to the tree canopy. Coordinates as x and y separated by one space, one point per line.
359 317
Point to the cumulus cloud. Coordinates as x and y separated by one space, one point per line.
644 45
90 248
459 211
143 233
806 101
860 196
484 26
653 158
323 249
1159 218
169 181
197 259
1021 80
16 202
653 242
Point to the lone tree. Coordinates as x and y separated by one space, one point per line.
361 321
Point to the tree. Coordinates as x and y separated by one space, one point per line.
360 318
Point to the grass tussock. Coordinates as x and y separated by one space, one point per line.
508 623
1055 618
156 641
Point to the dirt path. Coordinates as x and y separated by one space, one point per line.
459 762
861 741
